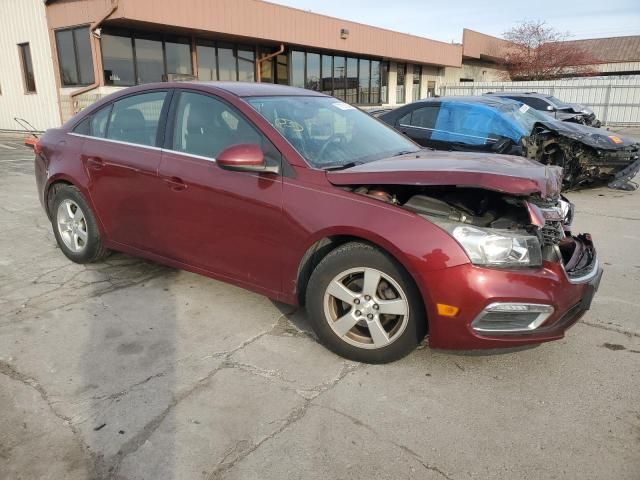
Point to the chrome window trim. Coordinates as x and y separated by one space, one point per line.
110 140
186 154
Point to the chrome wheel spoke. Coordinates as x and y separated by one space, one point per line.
338 290
82 235
393 307
68 210
76 241
378 333
371 281
345 323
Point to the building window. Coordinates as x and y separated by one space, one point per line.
133 58
207 63
312 77
375 82
149 60
246 64
326 75
364 78
401 68
353 80
227 68
417 74
384 82
27 68
117 60
178 57
74 56
297 69
339 71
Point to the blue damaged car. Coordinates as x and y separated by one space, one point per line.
589 156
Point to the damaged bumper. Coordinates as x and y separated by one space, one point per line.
507 308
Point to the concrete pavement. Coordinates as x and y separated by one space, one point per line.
131 370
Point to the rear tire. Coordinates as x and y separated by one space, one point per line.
75 226
364 306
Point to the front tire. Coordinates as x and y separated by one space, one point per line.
364 306
75 226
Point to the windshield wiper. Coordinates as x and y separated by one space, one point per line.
404 152
343 166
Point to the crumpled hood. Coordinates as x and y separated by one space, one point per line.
594 137
502 173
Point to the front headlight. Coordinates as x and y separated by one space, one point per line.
497 248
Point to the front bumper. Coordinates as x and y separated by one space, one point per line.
476 290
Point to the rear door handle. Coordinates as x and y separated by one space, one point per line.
175 183
95 163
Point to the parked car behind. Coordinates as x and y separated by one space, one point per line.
589 156
553 106
310 201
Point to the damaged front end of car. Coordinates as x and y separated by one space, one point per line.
589 158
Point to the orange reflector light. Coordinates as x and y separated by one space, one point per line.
447 310
615 139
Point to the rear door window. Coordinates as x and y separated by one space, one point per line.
425 117
136 119
533 102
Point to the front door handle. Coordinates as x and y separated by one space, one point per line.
175 183
95 163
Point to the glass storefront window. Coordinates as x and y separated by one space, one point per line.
227 68
326 75
363 81
149 61
401 68
178 57
313 72
74 56
297 69
339 72
375 82
246 65
384 82
417 76
207 69
351 95
117 60
282 69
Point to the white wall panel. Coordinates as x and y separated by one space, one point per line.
24 21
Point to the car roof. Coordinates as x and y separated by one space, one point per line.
490 101
520 94
255 89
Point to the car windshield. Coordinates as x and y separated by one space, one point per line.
329 133
523 115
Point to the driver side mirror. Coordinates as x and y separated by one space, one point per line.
550 108
244 157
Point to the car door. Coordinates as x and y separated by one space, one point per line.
121 155
419 124
462 126
225 222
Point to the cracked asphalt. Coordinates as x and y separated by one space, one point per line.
130 370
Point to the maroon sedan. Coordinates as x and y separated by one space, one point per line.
308 200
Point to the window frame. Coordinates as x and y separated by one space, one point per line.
23 65
170 124
75 55
338 92
162 121
132 35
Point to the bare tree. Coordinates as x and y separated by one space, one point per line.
537 51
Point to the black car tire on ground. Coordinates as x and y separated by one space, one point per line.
92 250
354 256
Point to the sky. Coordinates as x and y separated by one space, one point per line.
445 20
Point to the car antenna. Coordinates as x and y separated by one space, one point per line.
26 125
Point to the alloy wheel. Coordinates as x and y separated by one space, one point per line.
366 308
72 226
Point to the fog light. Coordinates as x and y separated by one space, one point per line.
511 317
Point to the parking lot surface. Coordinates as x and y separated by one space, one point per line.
126 369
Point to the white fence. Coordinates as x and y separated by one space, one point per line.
616 102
